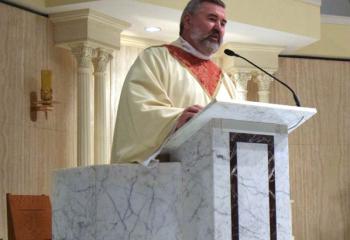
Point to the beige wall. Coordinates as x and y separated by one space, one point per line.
30 151
120 66
320 149
334 42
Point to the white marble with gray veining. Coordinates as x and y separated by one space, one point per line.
189 198
117 202
253 191
205 187
283 204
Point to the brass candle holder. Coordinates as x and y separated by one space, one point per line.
46 103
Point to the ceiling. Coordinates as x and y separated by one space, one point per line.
141 14
336 7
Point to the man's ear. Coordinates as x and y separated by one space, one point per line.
187 21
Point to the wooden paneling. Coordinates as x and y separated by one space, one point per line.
320 149
321 84
30 151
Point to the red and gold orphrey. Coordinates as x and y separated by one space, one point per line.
207 73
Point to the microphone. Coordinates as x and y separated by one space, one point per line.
233 54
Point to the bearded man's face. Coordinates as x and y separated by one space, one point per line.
206 28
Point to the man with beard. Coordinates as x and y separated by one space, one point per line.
167 85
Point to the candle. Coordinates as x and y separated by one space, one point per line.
46 78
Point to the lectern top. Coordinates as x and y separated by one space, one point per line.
254 112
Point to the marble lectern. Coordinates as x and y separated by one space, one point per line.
227 179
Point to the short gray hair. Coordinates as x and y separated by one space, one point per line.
193 5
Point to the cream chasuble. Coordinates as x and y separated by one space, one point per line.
156 90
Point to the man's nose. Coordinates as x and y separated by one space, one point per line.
219 27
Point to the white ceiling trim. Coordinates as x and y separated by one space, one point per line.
139 42
314 2
332 19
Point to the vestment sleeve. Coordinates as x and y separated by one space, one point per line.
146 113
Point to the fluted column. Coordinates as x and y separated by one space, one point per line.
241 80
84 56
101 134
264 82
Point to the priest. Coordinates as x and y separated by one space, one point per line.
169 84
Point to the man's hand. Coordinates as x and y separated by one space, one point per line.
187 114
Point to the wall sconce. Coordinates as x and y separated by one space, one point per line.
46 103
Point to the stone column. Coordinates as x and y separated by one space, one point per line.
241 80
263 82
264 56
84 56
92 30
101 113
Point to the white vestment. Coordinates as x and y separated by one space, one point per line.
156 91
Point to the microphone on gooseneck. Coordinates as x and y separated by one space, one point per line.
233 54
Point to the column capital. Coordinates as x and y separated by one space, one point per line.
83 54
101 59
264 81
241 80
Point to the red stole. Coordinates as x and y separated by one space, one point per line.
206 72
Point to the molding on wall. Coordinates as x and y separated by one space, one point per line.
87 25
263 55
131 41
28 9
55 3
254 47
332 19
315 2
91 15
315 58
